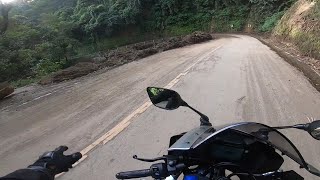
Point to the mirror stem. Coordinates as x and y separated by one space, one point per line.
297 126
203 118
301 126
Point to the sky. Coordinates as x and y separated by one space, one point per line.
6 1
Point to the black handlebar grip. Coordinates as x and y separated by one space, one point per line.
134 174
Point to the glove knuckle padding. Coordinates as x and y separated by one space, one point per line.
56 162
61 149
76 157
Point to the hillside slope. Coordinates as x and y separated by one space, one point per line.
301 25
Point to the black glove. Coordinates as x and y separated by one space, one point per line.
54 162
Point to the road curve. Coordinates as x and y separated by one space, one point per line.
230 79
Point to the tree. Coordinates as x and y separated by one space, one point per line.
5 9
100 19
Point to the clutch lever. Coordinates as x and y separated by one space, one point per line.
150 160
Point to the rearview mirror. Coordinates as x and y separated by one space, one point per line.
165 98
314 129
170 100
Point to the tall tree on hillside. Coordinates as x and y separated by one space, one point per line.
5 9
100 18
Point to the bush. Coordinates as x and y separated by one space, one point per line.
117 41
230 19
308 43
16 64
237 25
271 22
179 30
23 82
45 67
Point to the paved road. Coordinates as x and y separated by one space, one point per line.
229 79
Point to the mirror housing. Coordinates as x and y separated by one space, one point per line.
314 129
165 98
169 100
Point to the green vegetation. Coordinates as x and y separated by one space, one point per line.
271 21
24 82
308 43
302 28
42 36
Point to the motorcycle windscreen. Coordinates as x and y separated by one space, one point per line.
274 138
266 134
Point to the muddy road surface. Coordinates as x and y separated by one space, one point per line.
108 117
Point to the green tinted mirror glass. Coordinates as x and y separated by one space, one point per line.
164 98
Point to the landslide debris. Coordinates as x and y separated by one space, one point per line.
5 89
125 54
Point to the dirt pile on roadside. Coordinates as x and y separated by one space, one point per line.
136 51
5 89
125 54
80 69
197 37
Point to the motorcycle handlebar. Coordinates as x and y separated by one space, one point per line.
134 174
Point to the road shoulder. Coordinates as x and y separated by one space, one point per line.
293 57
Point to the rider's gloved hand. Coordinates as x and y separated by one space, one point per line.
55 162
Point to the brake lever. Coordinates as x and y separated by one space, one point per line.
150 160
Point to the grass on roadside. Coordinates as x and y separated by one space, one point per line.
24 82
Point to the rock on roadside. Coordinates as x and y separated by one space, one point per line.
5 89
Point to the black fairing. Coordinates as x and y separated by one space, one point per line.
175 138
232 146
262 158
253 147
